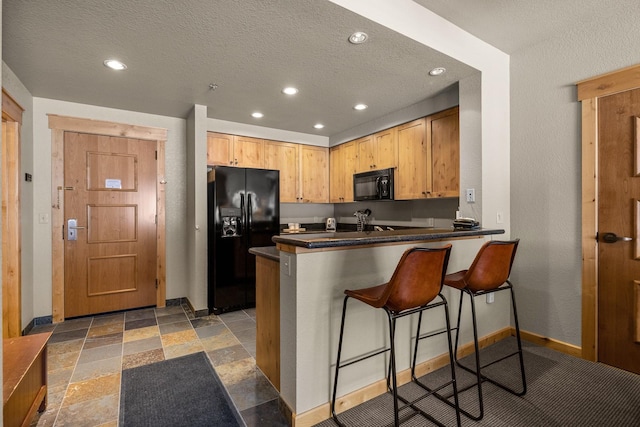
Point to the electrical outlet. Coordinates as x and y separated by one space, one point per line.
499 217
471 195
490 298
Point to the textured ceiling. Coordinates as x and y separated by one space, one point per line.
511 25
251 50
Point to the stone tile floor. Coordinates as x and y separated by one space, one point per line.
86 357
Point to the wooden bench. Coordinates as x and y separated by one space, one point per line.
24 378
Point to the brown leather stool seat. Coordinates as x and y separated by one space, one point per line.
415 284
488 273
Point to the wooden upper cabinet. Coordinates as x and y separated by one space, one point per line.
248 152
219 149
386 145
444 134
233 150
314 174
413 162
366 154
336 180
378 151
283 156
342 165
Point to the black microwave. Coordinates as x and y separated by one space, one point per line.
374 185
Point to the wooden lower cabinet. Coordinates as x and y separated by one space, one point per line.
268 318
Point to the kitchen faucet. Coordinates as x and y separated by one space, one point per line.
361 218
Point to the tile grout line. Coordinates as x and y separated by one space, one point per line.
73 371
124 322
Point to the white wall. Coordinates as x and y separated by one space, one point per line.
176 189
546 163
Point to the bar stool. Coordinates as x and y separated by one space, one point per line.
488 273
416 282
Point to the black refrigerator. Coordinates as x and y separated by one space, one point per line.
243 212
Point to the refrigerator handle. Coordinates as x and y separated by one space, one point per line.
242 213
249 210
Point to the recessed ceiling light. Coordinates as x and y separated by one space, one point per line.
360 107
290 90
437 71
358 37
257 115
114 64
318 126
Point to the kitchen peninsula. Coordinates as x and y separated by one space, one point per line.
315 269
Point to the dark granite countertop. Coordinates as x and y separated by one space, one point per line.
359 238
269 252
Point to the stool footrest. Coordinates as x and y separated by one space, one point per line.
367 356
431 334
499 360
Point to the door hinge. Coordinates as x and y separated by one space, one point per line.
156 154
156 219
156 283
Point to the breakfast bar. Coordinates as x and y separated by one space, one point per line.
315 269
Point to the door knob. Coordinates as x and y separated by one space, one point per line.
612 238
72 226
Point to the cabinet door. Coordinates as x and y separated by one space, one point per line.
385 149
413 162
219 149
314 174
248 152
350 156
336 174
366 154
444 132
283 156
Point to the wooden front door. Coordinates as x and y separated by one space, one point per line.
619 230
110 250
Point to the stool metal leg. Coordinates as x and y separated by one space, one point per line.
435 391
335 381
515 316
392 365
478 369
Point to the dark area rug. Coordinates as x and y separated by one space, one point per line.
184 391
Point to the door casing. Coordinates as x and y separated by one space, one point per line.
60 124
589 91
11 225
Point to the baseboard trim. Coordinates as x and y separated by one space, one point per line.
355 398
563 347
